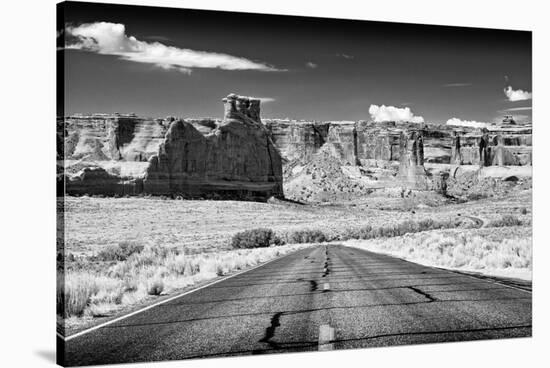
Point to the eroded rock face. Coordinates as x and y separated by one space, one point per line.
492 148
411 161
297 140
237 159
234 158
241 108
240 156
358 143
379 142
104 138
342 141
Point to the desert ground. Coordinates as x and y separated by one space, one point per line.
121 253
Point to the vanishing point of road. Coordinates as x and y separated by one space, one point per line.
318 298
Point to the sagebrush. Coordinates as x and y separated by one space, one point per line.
255 238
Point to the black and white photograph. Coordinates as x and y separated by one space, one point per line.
236 183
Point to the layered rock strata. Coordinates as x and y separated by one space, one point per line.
362 143
112 137
412 173
233 158
498 147
241 156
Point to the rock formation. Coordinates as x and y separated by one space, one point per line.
363 143
112 137
456 152
97 181
342 141
378 142
495 147
237 159
412 174
241 156
233 158
241 108
297 140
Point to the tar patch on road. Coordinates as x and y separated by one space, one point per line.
423 293
270 331
313 285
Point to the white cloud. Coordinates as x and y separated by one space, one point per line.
264 99
517 95
111 39
311 65
346 56
519 108
467 123
457 85
391 113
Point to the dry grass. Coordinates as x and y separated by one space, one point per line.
506 221
76 291
492 251
152 272
203 226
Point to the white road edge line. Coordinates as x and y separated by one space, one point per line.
326 335
91 329
457 272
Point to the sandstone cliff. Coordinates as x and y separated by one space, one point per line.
496 147
232 158
240 156
412 174
237 159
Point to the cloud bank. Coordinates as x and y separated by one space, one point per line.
467 123
391 113
110 39
519 108
517 95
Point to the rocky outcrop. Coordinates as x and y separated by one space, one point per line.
472 182
112 137
236 160
498 147
342 141
358 143
412 174
297 141
378 142
241 156
97 181
368 143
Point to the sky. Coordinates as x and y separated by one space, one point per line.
161 62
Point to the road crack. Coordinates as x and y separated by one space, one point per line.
270 331
313 285
423 293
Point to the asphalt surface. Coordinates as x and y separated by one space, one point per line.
320 298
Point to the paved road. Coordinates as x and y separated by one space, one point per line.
321 298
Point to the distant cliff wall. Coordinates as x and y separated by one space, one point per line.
412 173
112 138
357 143
297 140
242 157
493 148
361 142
